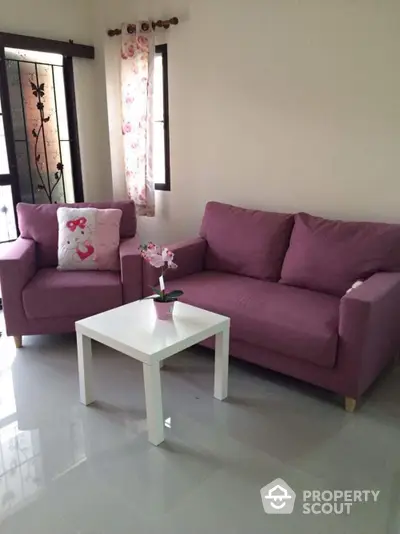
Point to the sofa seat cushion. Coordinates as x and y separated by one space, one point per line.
52 293
248 242
294 322
329 256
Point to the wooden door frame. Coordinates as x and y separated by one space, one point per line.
65 48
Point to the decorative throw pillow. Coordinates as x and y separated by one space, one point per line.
330 256
88 239
245 242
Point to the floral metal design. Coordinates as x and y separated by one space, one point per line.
39 92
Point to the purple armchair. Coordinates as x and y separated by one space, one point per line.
282 279
39 299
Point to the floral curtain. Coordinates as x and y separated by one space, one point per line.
137 61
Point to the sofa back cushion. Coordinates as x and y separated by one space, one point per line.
39 222
246 242
329 256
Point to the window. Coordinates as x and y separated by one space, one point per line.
8 229
4 168
161 163
37 96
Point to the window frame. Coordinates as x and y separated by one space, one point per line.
163 51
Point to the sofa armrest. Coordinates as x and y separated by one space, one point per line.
17 267
369 333
131 269
189 256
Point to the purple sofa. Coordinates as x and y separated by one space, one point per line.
282 279
39 299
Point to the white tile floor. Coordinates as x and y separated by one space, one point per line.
65 468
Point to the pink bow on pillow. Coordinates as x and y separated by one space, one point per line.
77 223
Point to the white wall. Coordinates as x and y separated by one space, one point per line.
286 105
63 20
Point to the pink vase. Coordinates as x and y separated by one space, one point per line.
164 310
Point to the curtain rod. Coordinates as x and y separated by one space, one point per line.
145 26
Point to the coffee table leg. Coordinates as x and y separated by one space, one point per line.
154 408
85 368
221 365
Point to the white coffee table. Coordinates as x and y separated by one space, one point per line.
134 330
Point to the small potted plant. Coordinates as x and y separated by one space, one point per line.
161 258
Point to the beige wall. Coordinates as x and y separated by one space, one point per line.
286 105
52 19
63 20
276 104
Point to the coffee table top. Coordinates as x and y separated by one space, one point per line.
135 330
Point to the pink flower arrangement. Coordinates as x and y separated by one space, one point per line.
160 258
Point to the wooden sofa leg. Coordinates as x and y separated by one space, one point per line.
18 342
350 404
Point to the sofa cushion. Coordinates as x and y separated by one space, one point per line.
293 322
248 242
52 293
329 256
88 239
39 222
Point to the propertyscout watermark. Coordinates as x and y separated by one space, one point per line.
278 498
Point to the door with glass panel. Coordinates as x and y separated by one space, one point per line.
8 179
37 156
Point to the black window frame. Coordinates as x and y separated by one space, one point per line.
163 51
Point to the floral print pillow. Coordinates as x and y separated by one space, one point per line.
88 239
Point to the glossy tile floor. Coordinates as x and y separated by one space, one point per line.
65 468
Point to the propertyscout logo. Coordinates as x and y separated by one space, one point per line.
278 498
